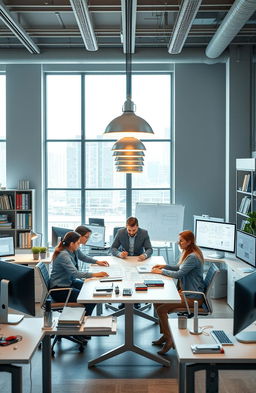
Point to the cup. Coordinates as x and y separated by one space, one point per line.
182 321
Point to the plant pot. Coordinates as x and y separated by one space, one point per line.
42 255
36 257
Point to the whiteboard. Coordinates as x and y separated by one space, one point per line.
162 221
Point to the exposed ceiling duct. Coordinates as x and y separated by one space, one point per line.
82 15
20 33
237 16
129 14
186 15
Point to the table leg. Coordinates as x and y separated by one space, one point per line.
181 377
212 379
46 364
129 343
16 373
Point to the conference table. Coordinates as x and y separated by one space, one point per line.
127 269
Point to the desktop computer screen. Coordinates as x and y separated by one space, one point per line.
58 233
17 290
7 246
218 236
97 238
97 221
245 308
246 247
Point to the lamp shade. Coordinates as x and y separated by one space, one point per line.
128 144
127 158
129 169
128 154
128 121
129 163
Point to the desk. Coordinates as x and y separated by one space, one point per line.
127 269
236 357
30 330
27 259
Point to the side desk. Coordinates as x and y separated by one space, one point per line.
239 356
21 352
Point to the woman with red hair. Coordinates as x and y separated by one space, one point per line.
189 272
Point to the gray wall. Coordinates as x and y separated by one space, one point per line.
204 155
23 129
200 139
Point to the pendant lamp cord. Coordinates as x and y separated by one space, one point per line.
128 56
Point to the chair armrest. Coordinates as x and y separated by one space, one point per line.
62 289
193 293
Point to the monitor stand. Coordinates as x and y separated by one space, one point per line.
216 254
246 337
10 319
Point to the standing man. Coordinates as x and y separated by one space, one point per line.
132 240
79 255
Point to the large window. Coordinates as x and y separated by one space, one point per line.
81 181
2 131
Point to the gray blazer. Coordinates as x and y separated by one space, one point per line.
64 270
142 243
190 274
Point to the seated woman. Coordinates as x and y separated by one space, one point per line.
189 271
65 274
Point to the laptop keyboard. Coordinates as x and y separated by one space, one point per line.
221 337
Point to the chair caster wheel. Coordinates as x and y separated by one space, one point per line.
81 348
53 354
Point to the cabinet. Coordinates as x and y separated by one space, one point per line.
245 189
17 215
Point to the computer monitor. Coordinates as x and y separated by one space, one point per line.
6 246
246 247
97 238
17 290
245 308
58 233
205 217
218 236
97 221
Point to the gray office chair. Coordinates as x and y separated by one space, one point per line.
57 306
206 308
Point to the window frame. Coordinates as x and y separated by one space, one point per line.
128 188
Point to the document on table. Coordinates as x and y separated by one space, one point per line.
112 271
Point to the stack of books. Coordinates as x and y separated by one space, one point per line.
99 325
154 283
71 318
4 223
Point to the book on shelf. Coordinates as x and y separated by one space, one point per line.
243 223
247 206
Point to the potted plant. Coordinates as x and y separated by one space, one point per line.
36 252
43 252
250 226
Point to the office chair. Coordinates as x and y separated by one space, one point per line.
206 308
57 306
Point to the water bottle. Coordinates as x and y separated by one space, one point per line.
48 314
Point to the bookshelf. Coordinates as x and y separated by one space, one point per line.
245 189
17 210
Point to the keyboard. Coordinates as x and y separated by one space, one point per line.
221 337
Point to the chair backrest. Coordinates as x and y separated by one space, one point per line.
115 230
44 278
209 282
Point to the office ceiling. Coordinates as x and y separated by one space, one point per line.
52 24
